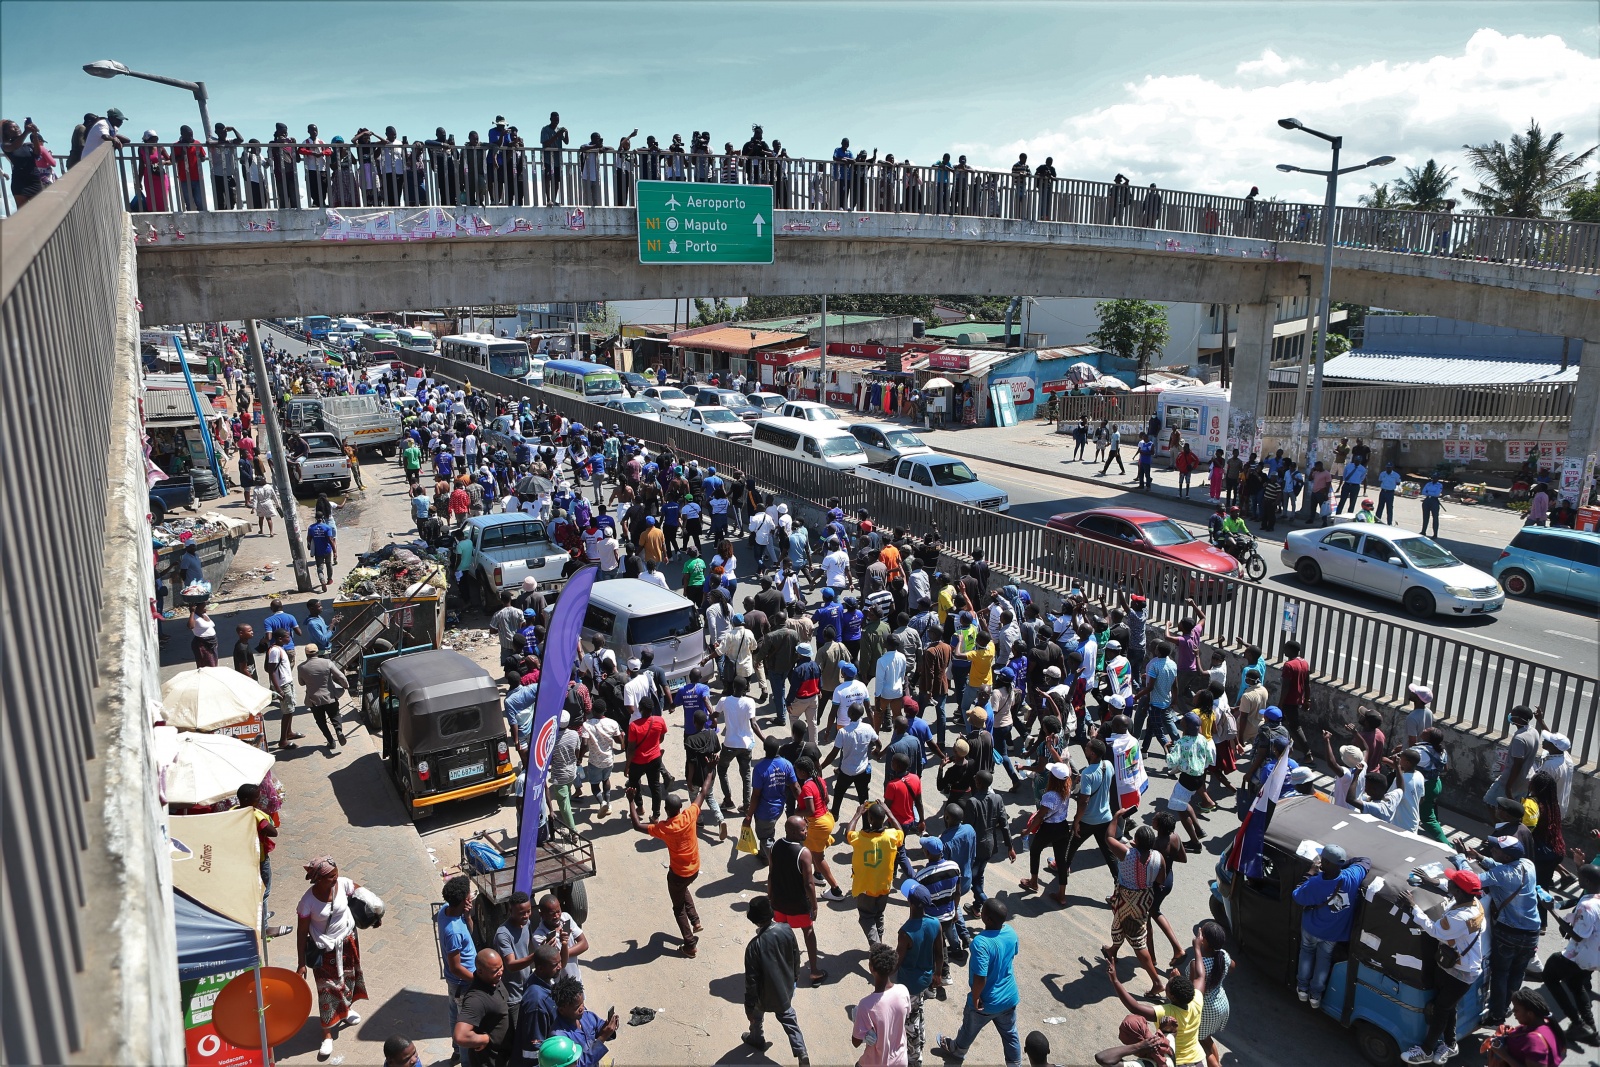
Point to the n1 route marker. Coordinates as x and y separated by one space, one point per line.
700 222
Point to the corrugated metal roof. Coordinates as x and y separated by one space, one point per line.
173 405
1073 352
735 339
987 329
842 364
1409 369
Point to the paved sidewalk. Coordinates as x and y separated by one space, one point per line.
1475 533
343 806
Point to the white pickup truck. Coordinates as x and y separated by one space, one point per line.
365 421
946 477
716 421
315 458
507 549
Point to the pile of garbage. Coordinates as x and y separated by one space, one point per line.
393 571
177 531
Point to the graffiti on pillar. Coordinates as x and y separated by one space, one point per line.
1244 431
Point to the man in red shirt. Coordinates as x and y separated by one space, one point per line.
644 751
902 792
1294 692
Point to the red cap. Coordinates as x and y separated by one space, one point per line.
1465 881
1136 600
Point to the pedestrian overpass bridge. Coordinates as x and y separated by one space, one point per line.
210 266
90 859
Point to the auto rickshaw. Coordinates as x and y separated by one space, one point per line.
1392 961
444 730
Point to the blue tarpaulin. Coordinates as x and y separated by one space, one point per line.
209 943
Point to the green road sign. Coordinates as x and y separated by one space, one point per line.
698 222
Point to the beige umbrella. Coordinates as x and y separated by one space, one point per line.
209 698
206 768
938 383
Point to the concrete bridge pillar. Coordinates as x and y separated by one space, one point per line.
1248 392
1577 477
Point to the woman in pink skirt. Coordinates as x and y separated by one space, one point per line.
1218 472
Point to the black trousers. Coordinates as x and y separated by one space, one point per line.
1099 832
1569 985
844 782
1448 991
652 772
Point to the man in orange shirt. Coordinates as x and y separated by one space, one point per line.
678 830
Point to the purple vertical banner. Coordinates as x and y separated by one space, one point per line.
555 672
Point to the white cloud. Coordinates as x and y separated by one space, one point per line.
1185 131
1269 65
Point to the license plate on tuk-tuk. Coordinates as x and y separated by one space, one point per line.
471 769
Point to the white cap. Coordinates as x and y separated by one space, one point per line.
1059 771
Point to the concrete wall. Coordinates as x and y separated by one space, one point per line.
224 265
1431 335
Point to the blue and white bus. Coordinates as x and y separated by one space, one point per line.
578 377
497 355
317 326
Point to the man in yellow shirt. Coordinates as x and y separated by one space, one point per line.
980 672
872 864
1184 1001
947 601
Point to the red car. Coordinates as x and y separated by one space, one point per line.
1150 534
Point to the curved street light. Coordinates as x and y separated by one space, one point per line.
111 68
1326 304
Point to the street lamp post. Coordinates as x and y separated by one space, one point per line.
110 68
1325 305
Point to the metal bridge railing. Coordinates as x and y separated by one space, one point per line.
1372 656
176 177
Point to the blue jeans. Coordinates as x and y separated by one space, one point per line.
973 1022
959 669
1161 725
936 704
1510 952
780 690
1316 961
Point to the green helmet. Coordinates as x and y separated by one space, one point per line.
559 1051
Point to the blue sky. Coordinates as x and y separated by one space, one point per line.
1180 93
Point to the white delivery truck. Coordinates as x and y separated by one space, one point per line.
365 421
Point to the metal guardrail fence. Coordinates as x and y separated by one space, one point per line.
176 177
58 295
1350 648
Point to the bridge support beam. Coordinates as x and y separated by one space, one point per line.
1248 392
1577 476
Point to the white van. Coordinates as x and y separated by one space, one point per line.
417 340
827 443
634 615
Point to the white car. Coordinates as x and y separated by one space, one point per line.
669 397
768 402
809 410
1394 563
641 406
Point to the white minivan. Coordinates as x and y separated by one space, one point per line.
634 615
827 443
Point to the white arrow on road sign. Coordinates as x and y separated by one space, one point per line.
672 202
760 222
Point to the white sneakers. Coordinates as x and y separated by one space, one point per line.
351 1018
1303 995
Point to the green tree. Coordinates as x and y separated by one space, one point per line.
981 308
707 312
1338 344
603 321
1132 329
1379 197
781 307
1583 205
1425 188
1526 178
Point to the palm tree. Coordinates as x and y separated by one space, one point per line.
1424 188
1380 197
1526 178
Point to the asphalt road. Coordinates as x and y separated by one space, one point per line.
1548 630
